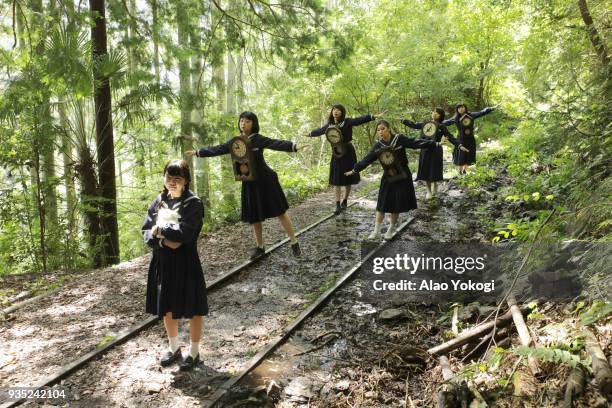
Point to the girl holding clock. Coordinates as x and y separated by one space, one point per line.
343 162
431 160
394 196
262 197
464 120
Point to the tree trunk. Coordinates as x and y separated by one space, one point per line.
201 167
185 97
104 139
68 173
155 38
594 36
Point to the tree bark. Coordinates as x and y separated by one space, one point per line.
104 138
594 36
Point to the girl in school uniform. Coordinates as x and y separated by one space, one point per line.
464 120
431 160
175 283
263 197
395 195
338 166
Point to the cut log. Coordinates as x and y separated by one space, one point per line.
473 333
601 369
574 388
455 321
447 392
523 332
452 392
525 385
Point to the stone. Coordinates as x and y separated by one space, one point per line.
390 314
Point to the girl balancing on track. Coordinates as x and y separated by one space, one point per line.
175 284
343 152
262 196
431 160
464 120
396 193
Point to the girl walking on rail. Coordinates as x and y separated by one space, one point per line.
464 120
396 193
343 152
262 196
431 161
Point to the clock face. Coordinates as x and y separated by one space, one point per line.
386 157
239 148
466 121
333 135
429 129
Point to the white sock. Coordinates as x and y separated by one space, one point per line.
293 241
377 226
174 344
194 350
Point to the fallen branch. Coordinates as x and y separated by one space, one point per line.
575 387
473 333
601 369
523 332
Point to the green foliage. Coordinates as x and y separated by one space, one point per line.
551 355
597 311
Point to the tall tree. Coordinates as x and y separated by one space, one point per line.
104 135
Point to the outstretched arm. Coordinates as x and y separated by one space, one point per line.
413 143
411 124
318 132
274 144
365 162
360 120
449 122
449 136
210 151
483 112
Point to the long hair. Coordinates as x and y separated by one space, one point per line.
331 116
457 116
177 168
253 118
440 112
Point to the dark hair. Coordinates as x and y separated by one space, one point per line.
441 113
387 124
177 168
253 118
340 108
457 109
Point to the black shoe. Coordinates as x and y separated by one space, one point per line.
344 204
295 248
170 358
338 208
189 363
257 253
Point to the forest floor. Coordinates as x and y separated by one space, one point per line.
366 356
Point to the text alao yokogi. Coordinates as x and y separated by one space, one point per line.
413 264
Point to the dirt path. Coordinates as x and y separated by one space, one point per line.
39 338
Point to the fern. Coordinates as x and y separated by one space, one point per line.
549 354
596 312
